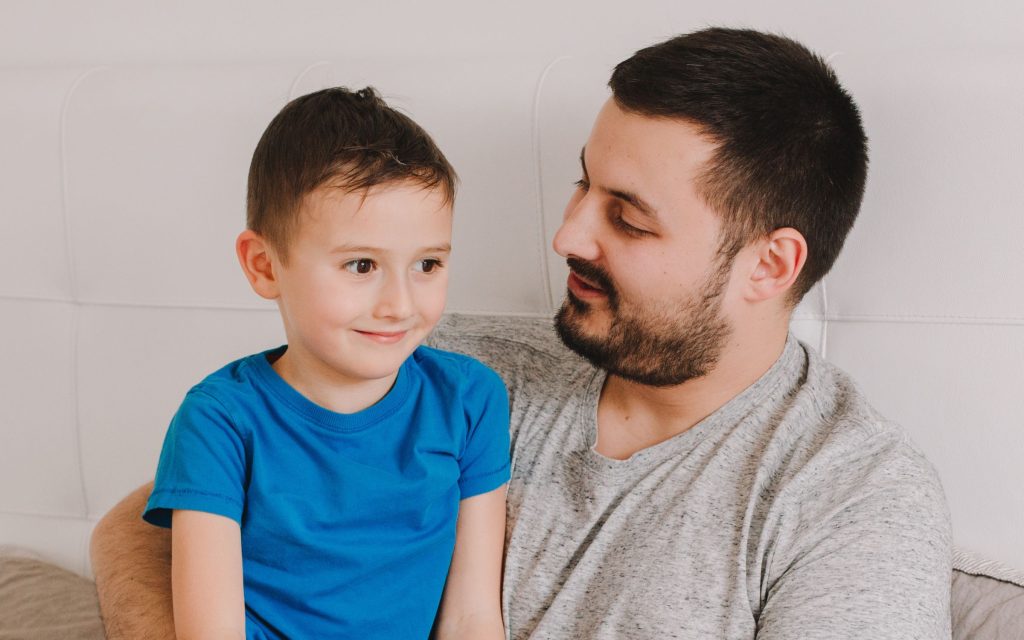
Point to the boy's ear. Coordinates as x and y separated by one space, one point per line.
254 254
779 258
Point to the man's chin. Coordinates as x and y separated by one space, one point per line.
633 351
578 328
573 315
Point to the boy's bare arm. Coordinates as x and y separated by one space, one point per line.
206 576
132 563
471 605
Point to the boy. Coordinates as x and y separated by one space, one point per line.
314 488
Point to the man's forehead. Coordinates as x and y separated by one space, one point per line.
643 135
652 158
626 195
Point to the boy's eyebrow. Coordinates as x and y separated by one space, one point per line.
626 196
352 248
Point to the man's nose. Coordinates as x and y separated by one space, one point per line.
578 234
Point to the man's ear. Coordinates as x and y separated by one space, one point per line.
254 254
778 259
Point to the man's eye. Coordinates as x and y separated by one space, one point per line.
362 266
582 184
629 229
429 265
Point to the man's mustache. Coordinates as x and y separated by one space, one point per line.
594 274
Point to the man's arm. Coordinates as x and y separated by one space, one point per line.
868 553
132 564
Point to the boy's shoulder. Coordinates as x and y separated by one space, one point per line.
237 379
452 366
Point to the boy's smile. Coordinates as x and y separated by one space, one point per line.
363 283
384 337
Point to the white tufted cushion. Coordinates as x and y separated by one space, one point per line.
123 189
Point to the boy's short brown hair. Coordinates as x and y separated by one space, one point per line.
335 137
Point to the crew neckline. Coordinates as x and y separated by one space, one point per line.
277 386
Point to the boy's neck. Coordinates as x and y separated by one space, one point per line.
329 389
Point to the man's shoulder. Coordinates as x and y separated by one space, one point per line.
852 504
531 331
837 426
509 344
839 404
525 351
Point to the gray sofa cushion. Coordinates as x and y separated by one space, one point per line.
988 599
43 602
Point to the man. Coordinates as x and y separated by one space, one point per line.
699 473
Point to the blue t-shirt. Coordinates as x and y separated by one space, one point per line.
347 520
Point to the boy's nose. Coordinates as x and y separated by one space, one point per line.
395 299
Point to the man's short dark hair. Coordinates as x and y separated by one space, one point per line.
791 148
340 138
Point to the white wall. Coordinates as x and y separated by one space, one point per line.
925 308
65 32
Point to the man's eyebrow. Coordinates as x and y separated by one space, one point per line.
635 200
626 196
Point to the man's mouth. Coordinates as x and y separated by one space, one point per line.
583 288
589 283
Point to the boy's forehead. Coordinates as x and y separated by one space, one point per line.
339 199
380 215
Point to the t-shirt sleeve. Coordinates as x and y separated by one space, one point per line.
866 553
202 463
484 464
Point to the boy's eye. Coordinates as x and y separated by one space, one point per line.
429 265
362 266
582 184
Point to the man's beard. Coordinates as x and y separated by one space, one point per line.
660 344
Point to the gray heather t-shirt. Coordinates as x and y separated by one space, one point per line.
794 511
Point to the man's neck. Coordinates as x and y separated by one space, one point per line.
632 417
